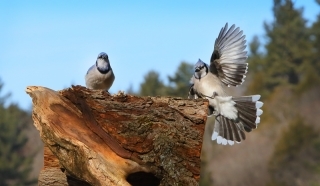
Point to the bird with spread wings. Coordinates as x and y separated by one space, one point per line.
233 115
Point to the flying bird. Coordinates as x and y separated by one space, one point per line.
100 75
233 115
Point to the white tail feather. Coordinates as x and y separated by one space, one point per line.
259 112
255 98
214 136
224 141
259 104
257 120
219 139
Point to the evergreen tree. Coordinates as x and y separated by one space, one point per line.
314 68
315 36
180 82
288 47
152 85
15 164
257 65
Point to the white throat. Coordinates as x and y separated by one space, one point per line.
201 74
101 63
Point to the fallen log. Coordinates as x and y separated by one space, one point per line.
94 138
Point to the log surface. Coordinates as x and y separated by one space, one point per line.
104 139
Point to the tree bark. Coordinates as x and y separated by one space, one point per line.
99 139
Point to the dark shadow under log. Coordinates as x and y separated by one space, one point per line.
99 139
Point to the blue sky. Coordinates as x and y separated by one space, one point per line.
53 43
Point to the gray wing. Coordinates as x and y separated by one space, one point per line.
91 68
228 60
192 93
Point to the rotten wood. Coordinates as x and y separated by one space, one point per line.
102 139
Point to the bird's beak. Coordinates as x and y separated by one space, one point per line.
197 69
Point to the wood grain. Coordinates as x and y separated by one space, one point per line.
104 139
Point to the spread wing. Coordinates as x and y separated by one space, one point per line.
228 60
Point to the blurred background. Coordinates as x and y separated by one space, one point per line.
152 47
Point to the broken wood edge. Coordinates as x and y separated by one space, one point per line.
95 159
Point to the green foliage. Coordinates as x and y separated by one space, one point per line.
288 58
15 165
257 65
290 61
315 39
288 46
181 80
255 59
179 83
152 85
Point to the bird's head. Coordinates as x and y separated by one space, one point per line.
200 69
103 55
103 63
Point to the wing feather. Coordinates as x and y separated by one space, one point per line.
228 60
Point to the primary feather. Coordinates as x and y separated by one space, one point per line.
229 56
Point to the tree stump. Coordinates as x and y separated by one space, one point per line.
101 139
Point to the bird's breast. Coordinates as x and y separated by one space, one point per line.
97 80
208 85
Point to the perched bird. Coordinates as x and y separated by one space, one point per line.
233 115
100 75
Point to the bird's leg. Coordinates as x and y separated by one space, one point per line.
191 93
211 110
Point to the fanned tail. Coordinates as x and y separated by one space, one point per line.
227 131
249 111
